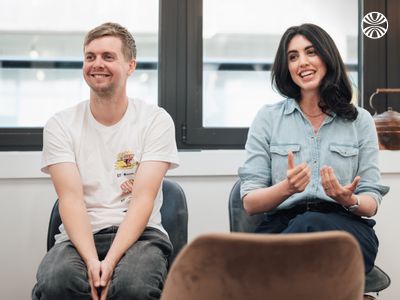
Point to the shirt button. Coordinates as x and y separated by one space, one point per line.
315 162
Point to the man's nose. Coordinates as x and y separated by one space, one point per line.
98 62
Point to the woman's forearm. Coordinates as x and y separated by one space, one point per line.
266 199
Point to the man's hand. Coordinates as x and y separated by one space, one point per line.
107 269
298 177
332 187
94 269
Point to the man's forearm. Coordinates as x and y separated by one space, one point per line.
77 225
145 188
131 228
68 185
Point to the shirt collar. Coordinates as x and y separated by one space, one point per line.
292 105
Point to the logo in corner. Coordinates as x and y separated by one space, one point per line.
374 25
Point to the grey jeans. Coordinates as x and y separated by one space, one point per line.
140 273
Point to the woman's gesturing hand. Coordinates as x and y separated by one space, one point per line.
332 187
298 177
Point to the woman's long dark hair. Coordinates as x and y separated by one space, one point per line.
335 89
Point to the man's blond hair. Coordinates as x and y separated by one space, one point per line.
116 30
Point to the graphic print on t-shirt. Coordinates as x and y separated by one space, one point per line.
125 168
126 160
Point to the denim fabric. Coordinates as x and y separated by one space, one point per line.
310 221
350 148
139 275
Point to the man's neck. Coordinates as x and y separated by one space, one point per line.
108 110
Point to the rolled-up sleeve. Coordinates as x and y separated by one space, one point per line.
368 168
256 171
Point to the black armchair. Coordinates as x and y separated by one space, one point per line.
174 215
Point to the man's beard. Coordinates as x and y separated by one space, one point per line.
103 92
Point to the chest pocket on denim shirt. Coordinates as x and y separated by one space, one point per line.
279 160
344 161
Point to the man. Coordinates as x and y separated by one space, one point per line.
107 158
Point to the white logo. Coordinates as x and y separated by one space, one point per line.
374 25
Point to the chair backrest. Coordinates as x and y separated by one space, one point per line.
174 215
239 220
376 280
270 266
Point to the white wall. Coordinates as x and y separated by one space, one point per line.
207 177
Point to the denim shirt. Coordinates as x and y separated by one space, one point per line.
350 148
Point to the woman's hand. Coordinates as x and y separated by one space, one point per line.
332 187
298 177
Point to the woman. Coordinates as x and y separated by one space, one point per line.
312 158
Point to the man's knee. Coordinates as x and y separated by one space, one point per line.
60 282
142 285
135 291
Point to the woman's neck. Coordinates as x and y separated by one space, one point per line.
310 98
310 108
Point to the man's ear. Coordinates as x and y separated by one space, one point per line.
132 66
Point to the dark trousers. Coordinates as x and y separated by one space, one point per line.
139 275
290 221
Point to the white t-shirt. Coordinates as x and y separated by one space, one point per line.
107 156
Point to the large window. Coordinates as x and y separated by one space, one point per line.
237 51
239 48
41 58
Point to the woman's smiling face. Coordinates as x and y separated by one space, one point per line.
305 65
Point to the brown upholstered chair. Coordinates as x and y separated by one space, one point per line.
238 266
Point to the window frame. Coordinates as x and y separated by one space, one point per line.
180 71
380 61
